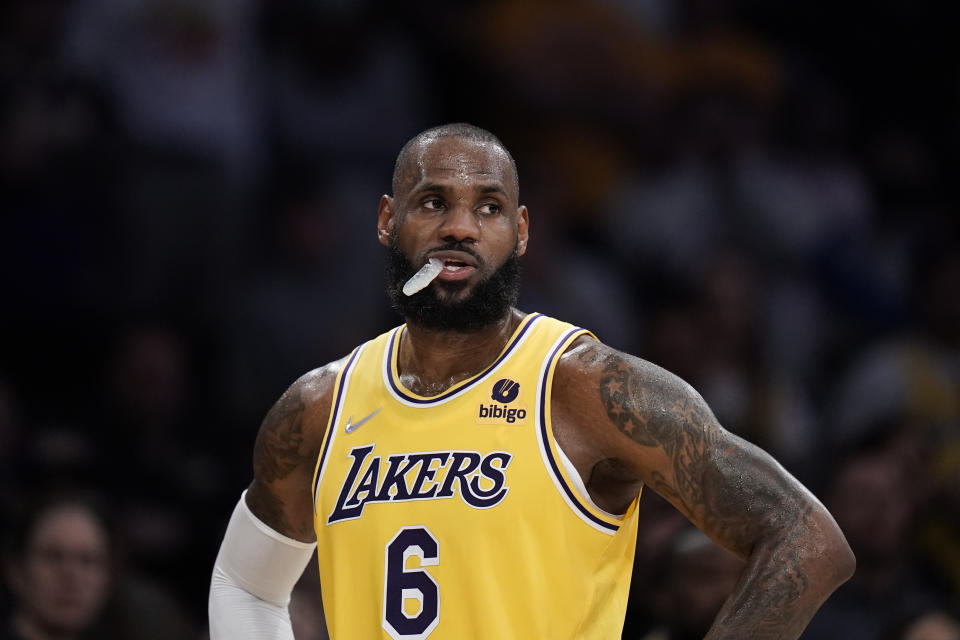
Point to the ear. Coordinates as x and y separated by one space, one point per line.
523 229
385 214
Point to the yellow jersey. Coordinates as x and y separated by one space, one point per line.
457 516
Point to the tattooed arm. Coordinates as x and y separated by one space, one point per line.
269 539
632 415
286 452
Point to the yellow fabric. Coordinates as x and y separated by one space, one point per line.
518 552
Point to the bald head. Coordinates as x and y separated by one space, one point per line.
406 170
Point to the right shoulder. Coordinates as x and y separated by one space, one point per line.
285 453
296 423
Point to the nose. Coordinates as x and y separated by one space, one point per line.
460 224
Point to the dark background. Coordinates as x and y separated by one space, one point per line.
759 196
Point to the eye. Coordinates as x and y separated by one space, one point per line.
489 209
433 204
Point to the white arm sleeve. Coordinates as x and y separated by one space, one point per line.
253 576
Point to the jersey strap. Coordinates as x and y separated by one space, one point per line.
572 491
341 383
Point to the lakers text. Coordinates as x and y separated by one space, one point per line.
479 480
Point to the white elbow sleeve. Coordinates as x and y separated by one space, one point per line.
253 576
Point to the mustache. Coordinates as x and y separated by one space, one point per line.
457 246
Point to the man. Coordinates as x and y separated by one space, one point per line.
475 472
58 567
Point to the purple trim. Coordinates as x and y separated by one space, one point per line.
400 391
336 406
546 440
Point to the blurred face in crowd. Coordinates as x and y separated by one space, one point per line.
699 582
870 503
456 201
933 626
62 579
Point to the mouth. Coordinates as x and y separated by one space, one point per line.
456 265
454 270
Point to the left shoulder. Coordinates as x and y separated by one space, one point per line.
629 408
619 380
588 355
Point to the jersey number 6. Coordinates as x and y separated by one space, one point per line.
401 584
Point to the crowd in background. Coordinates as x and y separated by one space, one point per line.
757 196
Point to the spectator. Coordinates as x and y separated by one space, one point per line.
875 502
695 579
59 566
63 566
927 624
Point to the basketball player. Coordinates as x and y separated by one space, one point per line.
475 472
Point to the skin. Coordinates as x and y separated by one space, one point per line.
622 421
62 580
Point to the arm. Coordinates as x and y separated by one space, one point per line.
270 538
286 451
656 427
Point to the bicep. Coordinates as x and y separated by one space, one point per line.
285 453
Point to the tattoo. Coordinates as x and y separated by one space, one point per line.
732 490
276 454
269 507
743 495
651 413
277 450
589 354
770 602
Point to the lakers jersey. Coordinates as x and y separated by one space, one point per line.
457 516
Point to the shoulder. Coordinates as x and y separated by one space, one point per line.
315 387
287 446
589 360
311 393
293 428
604 387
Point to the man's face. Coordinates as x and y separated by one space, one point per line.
457 202
63 579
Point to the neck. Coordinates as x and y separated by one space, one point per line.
431 361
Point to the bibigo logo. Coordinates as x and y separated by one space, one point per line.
504 392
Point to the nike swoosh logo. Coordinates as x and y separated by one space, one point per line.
353 426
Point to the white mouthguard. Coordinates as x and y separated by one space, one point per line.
423 277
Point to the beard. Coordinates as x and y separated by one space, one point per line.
489 301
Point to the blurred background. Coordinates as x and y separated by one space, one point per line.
758 196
